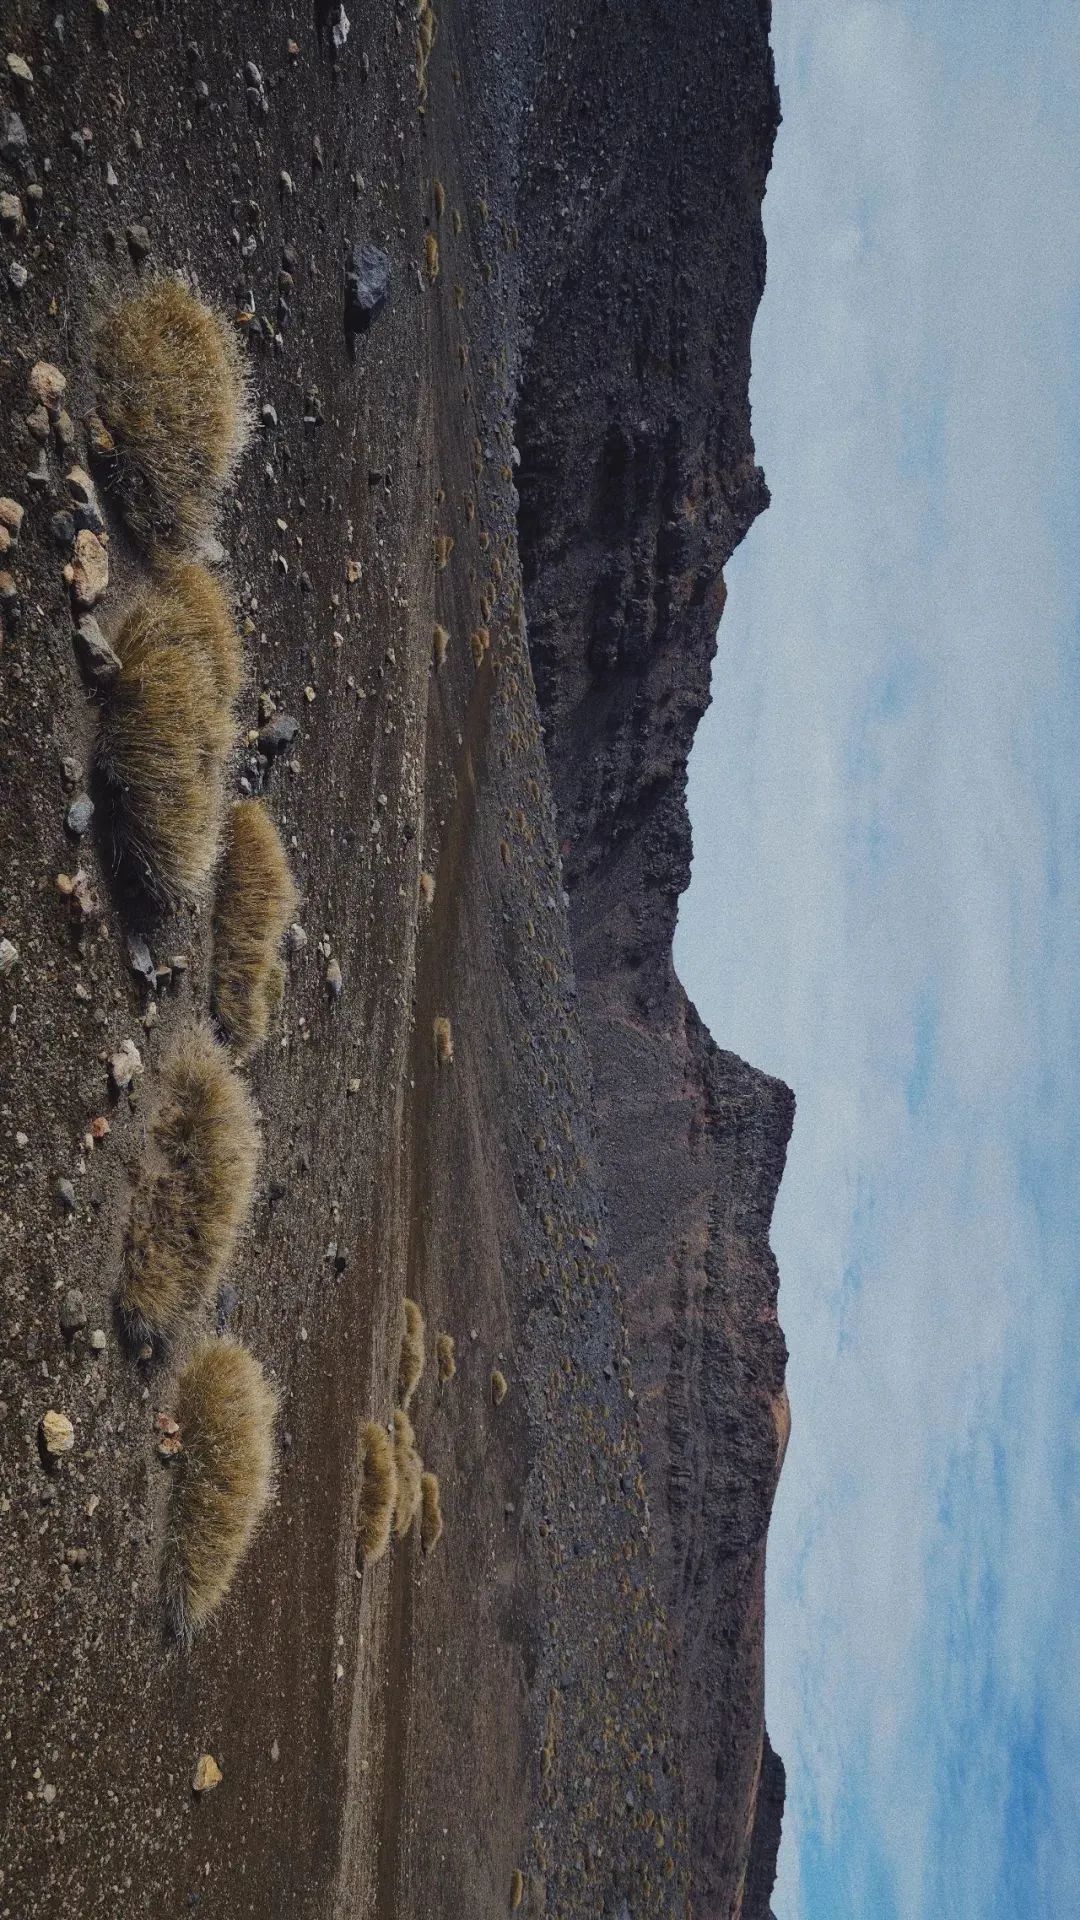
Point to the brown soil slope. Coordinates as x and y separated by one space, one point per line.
397 1739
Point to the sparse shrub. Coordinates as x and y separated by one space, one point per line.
193 1194
444 1039
408 1469
431 1520
226 1408
172 391
440 642
254 902
517 1889
446 1356
164 732
378 1490
499 1387
411 1357
431 256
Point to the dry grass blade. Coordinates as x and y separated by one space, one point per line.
226 1409
193 1194
165 731
378 1490
254 902
411 1359
431 1520
408 1468
172 390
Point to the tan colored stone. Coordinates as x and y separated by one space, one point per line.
207 1774
88 573
47 384
57 1433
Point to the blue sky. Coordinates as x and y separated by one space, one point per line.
885 910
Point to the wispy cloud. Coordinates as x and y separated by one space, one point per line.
886 910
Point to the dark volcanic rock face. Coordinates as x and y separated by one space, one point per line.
644 263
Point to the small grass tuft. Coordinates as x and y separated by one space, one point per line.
444 547
173 392
443 1035
411 1358
408 1469
165 730
225 1408
499 1387
431 256
446 1356
378 1490
440 642
517 1889
193 1196
427 888
431 1520
254 902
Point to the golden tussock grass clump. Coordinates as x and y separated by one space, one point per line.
446 1356
431 1520
411 1358
439 643
426 29
202 621
443 1035
254 902
408 1469
431 256
427 888
499 1387
225 1408
517 1889
165 730
193 1196
378 1490
173 392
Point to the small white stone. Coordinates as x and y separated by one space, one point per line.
126 1064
